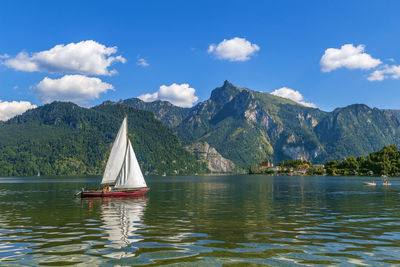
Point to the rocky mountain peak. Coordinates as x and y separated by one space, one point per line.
227 83
225 93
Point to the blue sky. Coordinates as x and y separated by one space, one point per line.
174 38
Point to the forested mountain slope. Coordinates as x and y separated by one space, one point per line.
63 138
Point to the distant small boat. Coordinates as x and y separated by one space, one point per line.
386 182
122 176
370 183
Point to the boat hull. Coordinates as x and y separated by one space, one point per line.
125 193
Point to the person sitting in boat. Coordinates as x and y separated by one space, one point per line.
105 189
386 182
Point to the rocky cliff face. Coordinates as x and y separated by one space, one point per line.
215 162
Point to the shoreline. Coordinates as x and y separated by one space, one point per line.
194 175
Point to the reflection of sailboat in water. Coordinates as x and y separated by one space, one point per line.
122 218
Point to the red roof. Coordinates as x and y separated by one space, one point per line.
265 164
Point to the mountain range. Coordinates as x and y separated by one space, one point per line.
236 127
247 127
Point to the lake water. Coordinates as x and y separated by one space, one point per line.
213 221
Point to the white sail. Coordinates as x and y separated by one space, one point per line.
117 155
130 175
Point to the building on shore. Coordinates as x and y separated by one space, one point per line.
304 168
265 165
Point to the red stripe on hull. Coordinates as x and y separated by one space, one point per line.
139 192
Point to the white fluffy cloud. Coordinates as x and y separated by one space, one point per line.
14 108
178 94
76 88
294 95
86 57
385 72
348 56
142 62
236 49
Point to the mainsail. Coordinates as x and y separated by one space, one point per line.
122 167
117 155
130 175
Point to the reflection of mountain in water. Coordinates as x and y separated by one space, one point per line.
121 220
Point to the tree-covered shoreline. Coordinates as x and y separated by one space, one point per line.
385 161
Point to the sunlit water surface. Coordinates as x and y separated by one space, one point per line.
213 221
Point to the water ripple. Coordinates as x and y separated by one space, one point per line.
203 221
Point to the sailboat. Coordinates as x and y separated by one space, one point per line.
370 183
122 176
